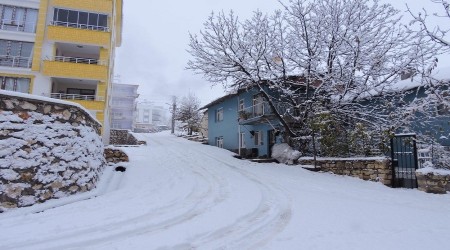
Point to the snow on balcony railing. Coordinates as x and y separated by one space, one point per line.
257 110
80 26
14 25
15 61
74 97
79 60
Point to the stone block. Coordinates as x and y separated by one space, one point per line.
28 106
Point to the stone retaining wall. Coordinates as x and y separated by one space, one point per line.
433 182
48 149
115 155
372 168
123 137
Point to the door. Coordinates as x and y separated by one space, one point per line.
271 141
404 161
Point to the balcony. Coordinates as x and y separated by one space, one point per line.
255 114
18 26
79 33
80 26
15 61
62 96
75 67
260 113
90 102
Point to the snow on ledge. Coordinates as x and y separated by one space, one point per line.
376 158
431 170
47 99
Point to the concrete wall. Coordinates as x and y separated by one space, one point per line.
48 150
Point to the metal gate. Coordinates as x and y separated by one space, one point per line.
404 161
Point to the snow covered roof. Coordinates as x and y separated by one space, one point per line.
219 100
416 80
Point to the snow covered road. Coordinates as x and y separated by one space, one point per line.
178 194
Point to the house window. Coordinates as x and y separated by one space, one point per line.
242 140
258 107
15 53
241 105
14 18
219 142
15 84
219 115
258 138
80 19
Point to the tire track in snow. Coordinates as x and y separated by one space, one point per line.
257 227
193 205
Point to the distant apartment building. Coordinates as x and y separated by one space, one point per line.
150 116
123 106
62 49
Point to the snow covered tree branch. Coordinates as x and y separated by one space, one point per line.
311 58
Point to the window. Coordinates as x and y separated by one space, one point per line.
258 138
219 115
15 53
15 84
80 19
242 140
258 108
241 105
219 142
14 18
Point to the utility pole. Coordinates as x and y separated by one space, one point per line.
174 109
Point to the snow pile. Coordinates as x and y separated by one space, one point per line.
283 153
429 169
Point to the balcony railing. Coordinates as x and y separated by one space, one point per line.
262 109
74 97
255 111
15 61
14 25
80 26
79 60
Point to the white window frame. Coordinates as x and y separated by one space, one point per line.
242 140
258 138
219 115
241 105
219 142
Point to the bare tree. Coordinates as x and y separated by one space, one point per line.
188 113
436 33
312 58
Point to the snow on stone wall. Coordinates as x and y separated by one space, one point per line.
123 137
376 169
47 150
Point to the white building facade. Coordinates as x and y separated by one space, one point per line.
123 106
150 116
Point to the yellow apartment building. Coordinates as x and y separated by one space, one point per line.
61 49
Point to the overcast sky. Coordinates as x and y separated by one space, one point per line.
155 38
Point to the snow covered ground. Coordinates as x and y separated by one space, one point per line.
179 194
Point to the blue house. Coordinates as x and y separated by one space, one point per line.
243 123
